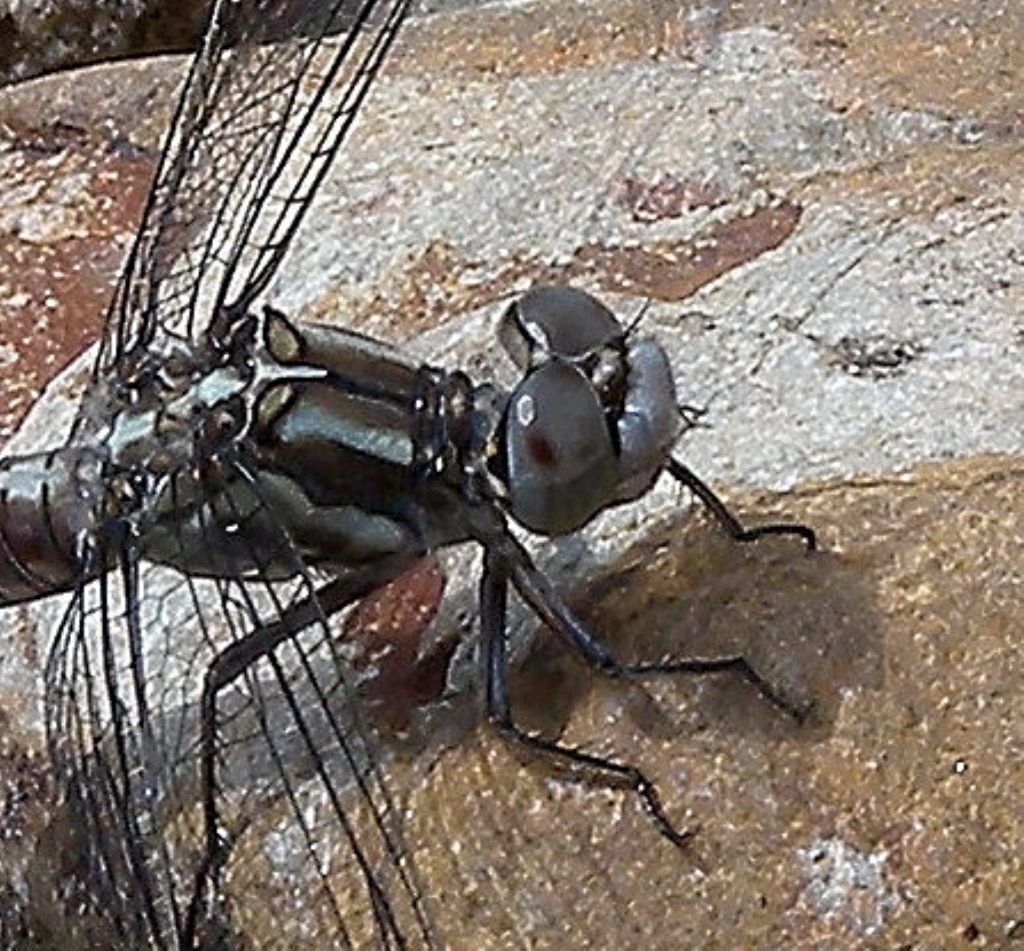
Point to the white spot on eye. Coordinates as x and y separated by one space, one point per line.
526 410
539 334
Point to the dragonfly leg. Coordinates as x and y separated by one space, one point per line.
544 600
231 663
686 476
493 603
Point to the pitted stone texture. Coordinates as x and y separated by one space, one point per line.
824 207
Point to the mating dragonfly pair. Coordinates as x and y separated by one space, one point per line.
235 479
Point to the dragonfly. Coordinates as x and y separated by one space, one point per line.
236 478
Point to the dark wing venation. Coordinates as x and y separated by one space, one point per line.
314 844
272 93
106 876
317 142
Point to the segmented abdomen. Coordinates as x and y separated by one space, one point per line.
48 510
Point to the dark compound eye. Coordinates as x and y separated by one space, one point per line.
559 321
561 461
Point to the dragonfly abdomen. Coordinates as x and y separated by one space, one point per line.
48 505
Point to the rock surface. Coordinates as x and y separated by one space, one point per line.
44 35
823 207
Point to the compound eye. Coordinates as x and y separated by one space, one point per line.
561 321
561 463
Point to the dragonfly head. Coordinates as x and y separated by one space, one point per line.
593 418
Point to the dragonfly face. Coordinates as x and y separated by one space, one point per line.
594 417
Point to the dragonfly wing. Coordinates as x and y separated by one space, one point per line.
273 90
296 783
143 763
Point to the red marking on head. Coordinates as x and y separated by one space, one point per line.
542 451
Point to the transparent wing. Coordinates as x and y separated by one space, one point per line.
274 89
194 816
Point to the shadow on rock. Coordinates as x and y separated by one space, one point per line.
805 621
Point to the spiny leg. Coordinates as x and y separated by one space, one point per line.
536 590
727 520
493 603
545 601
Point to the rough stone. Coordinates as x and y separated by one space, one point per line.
822 208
